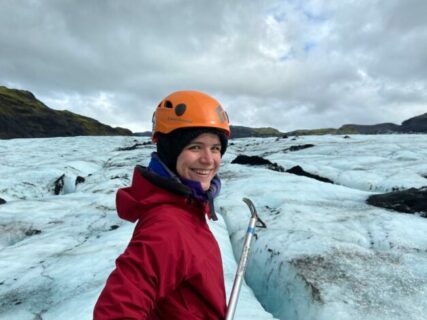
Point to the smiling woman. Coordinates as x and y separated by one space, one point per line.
172 267
200 160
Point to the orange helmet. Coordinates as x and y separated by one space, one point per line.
185 109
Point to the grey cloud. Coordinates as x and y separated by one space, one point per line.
287 64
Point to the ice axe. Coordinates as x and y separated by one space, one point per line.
237 284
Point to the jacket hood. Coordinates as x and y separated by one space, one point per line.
147 190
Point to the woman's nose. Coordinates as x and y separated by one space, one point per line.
206 156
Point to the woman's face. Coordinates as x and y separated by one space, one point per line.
200 160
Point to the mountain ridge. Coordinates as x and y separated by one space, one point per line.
22 115
417 124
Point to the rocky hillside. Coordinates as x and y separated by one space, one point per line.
23 116
413 125
243 132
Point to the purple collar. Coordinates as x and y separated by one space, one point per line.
157 166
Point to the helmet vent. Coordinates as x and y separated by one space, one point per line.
180 109
168 104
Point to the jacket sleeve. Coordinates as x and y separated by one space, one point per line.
153 264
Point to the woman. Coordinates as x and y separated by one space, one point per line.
172 267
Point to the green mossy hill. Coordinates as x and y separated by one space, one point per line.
243 132
314 132
23 116
416 124
381 128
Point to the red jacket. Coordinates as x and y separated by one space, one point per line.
172 267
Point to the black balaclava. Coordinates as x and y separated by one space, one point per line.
170 145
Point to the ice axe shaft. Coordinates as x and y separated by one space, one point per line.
238 279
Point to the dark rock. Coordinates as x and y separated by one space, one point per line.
114 227
346 137
2 201
135 146
273 252
274 211
31 232
58 185
411 200
300 172
251 160
275 167
64 185
258 161
79 179
282 137
124 176
299 147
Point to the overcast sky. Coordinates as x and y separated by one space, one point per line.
285 64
